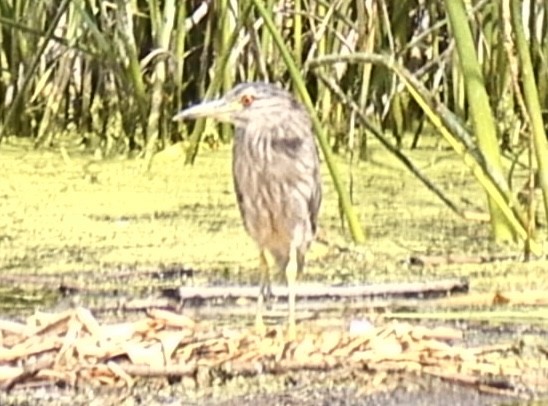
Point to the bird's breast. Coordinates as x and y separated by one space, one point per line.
273 194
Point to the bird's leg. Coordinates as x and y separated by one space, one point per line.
260 327
266 287
291 277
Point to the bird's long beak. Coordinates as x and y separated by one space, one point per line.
218 109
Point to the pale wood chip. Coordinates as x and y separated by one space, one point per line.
269 347
365 356
435 345
192 347
145 327
436 350
373 356
216 346
332 362
40 319
379 378
403 329
184 353
29 371
236 334
15 328
313 360
418 333
493 348
329 340
384 331
412 366
305 348
244 357
146 355
106 380
354 344
183 369
170 341
87 347
9 372
120 373
508 370
118 332
34 345
100 374
438 333
244 341
386 347
68 343
88 321
149 327
172 319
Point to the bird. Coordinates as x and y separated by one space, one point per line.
276 176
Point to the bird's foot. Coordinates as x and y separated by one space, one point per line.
260 327
291 333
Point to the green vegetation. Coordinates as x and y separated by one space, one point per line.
109 76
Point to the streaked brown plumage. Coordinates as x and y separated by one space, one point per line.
276 175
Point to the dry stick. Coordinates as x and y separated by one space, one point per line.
315 291
15 328
161 371
29 371
305 291
480 383
334 87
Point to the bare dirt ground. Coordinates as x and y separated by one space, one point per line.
92 233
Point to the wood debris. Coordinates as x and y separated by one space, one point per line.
73 347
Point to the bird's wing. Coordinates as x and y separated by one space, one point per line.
304 149
316 196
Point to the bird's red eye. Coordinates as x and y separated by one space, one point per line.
247 100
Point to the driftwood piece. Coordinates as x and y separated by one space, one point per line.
319 291
312 297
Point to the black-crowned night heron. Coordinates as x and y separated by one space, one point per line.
276 176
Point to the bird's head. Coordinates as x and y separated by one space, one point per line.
244 103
